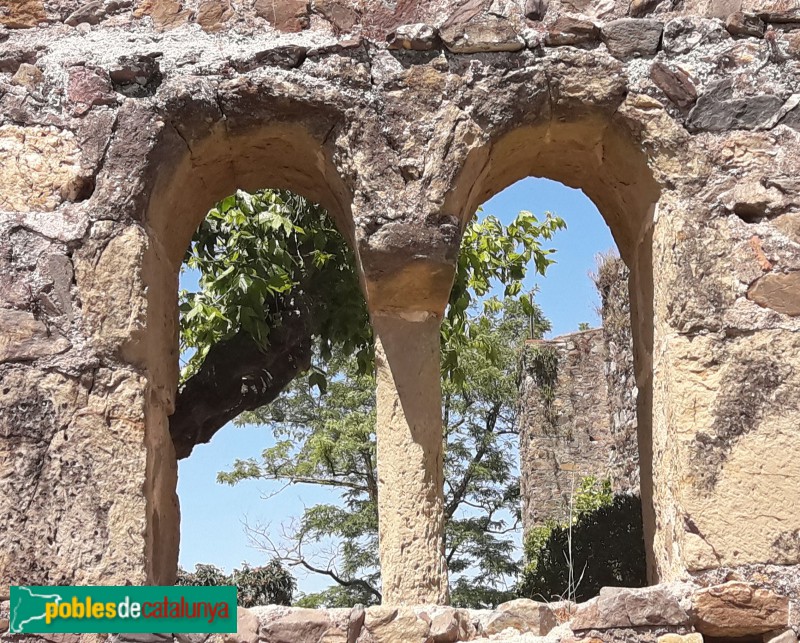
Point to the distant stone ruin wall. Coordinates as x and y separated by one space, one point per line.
615 311
578 407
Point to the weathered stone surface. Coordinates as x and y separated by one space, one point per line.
571 434
112 293
12 57
284 15
355 622
166 14
400 148
780 12
89 87
536 9
212 15
723 8
21 14
419 37
694 637
247 628
621 607
780 636
716 110
396 625
136 75
28 76
572 31
299 625
682 35
780 292
628 37
340 13
42 167
792 119
791 43
745 24
25 338
403 372
481 34
639 8
739 609
524 615
90 13
675 83
450 625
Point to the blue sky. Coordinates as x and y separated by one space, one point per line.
212 514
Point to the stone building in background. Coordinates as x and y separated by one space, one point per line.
578 406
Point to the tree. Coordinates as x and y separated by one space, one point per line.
278 287
278 284
270 584
329 439
276 278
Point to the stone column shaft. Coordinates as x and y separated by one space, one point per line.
410 464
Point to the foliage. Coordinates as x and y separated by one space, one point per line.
270 584
605 545
591 495
260 255
492 254
584 326
542 362
264 256
611 280
330 440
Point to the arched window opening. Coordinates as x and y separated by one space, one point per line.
269 298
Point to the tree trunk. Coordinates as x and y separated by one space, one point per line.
238 376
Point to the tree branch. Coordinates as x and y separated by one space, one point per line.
238 376
356 582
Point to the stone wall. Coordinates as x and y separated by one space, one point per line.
565 429
123 121
578 407
672 613
611 280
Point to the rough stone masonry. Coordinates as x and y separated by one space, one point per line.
577 407
124 120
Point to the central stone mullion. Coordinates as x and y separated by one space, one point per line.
410 458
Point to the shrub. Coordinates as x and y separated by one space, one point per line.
271 584
607 547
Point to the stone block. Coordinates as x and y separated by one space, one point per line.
25 338
780 292
523 615
40 169
419 37
571 31
624 607
396 625
284 15
675 83
22 14
628 37
739 609
298 626
481 35
745 24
